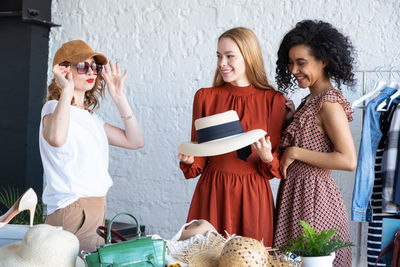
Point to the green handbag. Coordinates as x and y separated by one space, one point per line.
142 252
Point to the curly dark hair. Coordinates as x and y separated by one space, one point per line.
326 43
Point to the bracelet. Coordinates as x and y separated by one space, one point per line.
127 117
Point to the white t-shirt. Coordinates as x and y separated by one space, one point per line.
79 168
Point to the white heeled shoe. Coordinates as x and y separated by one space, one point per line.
27 201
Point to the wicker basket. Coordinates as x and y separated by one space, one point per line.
276 259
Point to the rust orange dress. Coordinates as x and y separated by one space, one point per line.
232 194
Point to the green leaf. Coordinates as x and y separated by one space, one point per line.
311 243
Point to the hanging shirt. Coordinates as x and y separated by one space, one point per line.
396 192
370 138
390 118
374 238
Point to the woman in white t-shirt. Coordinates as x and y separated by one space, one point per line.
74 142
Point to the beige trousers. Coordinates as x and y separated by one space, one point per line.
82 219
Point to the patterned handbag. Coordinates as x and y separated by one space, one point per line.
142 252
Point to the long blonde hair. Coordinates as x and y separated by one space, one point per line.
250 48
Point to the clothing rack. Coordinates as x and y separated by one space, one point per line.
364 72
364 91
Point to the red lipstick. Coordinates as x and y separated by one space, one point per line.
90 80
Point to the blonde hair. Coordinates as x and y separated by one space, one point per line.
91 100
250 48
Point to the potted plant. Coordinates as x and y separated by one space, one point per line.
316 249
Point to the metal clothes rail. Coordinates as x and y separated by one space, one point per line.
364 78
364 91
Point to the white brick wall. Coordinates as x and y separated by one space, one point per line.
169 49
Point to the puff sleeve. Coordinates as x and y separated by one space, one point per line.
197 167
276 121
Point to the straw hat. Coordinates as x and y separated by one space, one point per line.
237 251
77 51
43 246
204 253
243 251
219 134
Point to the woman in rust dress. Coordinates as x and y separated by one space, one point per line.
319 138
232 194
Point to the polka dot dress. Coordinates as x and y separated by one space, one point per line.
309 193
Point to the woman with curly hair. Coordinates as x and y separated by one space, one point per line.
318 139
74 142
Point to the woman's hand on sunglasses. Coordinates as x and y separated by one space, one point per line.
63 79
115 81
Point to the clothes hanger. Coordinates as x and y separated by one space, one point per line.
379 86
384 105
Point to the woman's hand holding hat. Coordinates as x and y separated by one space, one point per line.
185 158
263 149
115 82
63 79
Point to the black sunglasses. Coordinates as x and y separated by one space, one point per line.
83 67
